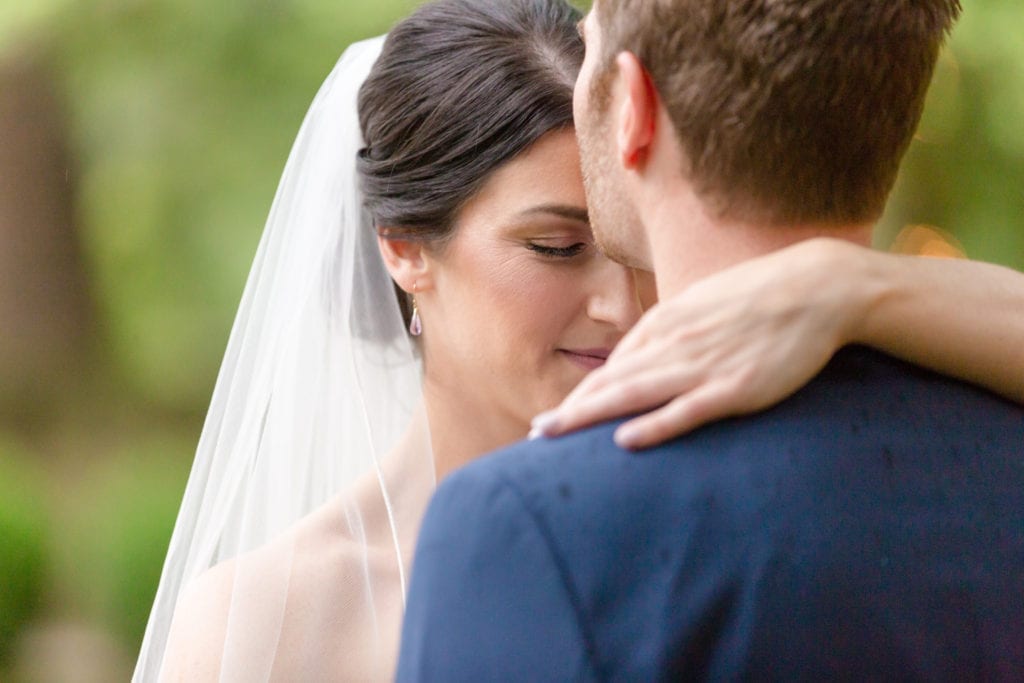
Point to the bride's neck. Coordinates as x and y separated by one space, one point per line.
463 428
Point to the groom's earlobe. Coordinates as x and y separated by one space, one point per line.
405 261
637 112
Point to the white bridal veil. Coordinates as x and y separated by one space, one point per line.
310 467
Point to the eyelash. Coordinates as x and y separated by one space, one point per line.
558 252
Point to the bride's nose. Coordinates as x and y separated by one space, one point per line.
614 296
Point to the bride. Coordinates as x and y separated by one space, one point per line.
427 283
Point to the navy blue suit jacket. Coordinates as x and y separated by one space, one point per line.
871 527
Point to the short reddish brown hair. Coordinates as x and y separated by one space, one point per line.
788 111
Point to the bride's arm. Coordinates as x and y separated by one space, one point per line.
958 317
748 337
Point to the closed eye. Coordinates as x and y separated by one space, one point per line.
557 252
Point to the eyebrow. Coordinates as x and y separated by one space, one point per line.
574 213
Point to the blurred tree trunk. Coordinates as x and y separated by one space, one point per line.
45 309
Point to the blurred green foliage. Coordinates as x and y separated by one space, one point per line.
183 112
115 545
965 171
24 538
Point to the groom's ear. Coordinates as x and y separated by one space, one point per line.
405 261
637 112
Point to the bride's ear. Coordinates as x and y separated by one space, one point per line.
405 261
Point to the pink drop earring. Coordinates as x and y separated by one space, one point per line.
415 325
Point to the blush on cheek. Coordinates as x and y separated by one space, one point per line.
490 302
529 305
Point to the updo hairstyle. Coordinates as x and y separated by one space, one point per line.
460 88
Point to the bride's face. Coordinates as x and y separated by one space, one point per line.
522 305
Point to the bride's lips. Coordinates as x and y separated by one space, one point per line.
590 359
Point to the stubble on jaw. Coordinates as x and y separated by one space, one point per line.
613 219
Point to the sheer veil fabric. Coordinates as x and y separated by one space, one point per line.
300 515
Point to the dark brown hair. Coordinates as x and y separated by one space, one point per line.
787 111
460 88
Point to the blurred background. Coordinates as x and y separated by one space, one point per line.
140 146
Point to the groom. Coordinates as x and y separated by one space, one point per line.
871 527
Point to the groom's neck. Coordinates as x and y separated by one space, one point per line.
687 243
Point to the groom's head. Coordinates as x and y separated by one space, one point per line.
771 113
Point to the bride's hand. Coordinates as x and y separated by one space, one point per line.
736 342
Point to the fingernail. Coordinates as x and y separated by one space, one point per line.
626 438
543 424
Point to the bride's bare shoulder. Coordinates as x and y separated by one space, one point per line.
315 563
199 628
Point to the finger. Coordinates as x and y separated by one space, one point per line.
686 413
645 330
635 339
639 392
596 380
617 372
655 355
663 365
